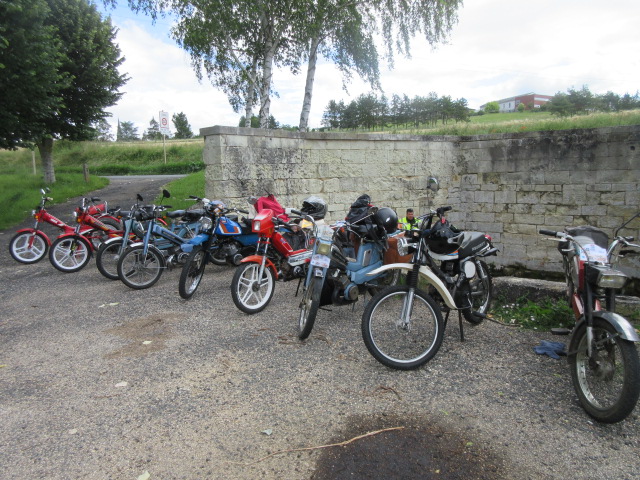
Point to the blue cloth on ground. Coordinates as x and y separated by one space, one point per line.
553 349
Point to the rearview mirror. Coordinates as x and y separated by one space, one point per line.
432 184
166 194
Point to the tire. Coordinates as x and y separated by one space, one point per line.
250 294
309 307
28 247
137 270
397 346
481 294
70 254
610 392
192 273
107 258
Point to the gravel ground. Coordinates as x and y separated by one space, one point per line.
101 382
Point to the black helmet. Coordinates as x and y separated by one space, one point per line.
315 207
442 239
387 219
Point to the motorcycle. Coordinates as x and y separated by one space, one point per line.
71 251
402 326
334 278
222 239
602 356
253 283
142 263
30 245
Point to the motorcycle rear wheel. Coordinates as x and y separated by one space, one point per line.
28 247
608 384
481 293
250 293
192 273
397 345
309 307
70 254
139 271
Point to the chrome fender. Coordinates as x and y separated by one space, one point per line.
424 273
617 321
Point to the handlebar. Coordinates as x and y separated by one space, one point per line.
551 233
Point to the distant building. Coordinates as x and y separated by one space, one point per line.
511 104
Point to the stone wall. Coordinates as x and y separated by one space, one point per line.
507 185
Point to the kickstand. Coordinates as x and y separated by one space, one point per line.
461 326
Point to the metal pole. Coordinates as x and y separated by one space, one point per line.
164 148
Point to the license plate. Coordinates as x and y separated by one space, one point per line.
320 261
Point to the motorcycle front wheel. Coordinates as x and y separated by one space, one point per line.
480 292
251 292
70 254
139 270
192 273
309 307
28 247
397 340
608 382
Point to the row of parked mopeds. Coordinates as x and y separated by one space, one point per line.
415 279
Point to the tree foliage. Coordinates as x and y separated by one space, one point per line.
153 132
71 73
127 132
183 129
492 107
576 102
372 112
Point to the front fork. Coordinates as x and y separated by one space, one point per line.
404 322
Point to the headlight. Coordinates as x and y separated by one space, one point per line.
324 248
256 226
34 214
611 279
204 223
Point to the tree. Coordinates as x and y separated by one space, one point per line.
153 132
72 63
127 132
102 131
183 129
492 107
30 76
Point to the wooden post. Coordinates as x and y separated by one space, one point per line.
33 161
85 171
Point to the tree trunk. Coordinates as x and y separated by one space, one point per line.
265 91
308 89
251 89
45 147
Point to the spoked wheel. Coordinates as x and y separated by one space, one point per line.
251 292
402 333
608 383
480 292
192 273
139 270
70 254
98 237
309 307
28 247
107 258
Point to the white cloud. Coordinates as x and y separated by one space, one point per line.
499 48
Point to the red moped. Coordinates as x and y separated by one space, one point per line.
30 245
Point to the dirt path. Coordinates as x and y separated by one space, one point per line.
101 382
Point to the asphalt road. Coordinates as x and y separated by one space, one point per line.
98 381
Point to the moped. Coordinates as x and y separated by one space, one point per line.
602 355
402 326
142 263
334 277
71 251
30 245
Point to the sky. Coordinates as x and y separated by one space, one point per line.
498 49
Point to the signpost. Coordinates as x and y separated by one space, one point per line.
164 129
